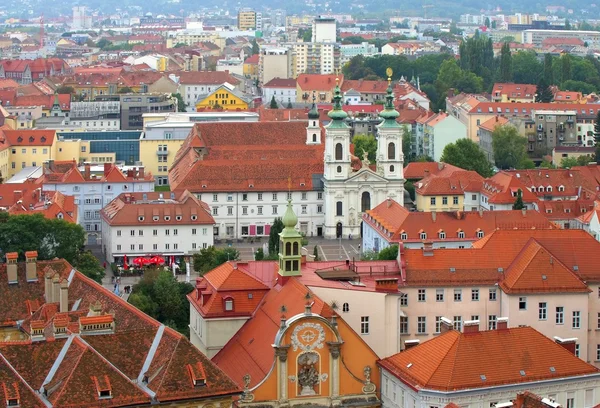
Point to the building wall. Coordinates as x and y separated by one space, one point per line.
223 98
445 132
436 203
158 155
274 64
210 335
191 92
26 156
283 96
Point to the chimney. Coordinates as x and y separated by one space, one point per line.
524 211
107 167
141 172
18 195
11 267
502 323
445 325
31 266
389 202
433 216
95 309
458 215
481 212
428 248
568 344
408 344
440 165
64 296
387 285
425 173
48 286
471 326
86 172
50 165
55 288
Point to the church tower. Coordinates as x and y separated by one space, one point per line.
390 158
313 130
290 245
337 141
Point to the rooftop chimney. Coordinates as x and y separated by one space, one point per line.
445 325
48 286
568 344
31 266
425 173
502 323
389 285
140 172
524 211
107 167
389 202
428 248
471 326
18 195
86 172
55 288
64 296
11 267
433 216
408 344
481 212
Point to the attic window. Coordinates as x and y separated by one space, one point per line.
250 185
11 391
155 218
228 304
549 189
567 210
194 217
31 139
19 139
404 236
548 210
561 188
167 218
178 217
141 218
197 374
43 139
103 387
203 185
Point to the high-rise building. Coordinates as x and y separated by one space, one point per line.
80 20
276 62
324 29
249 20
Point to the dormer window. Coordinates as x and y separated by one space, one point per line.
197 375
194 217
155 218
141 218
561 188
103 387
178 217
167 218
59 216
31 139
403 236
479 234
461 234
19 139
228 304
423 235
533 190
11 392
549 189
442 235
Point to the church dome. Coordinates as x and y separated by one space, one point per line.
313 113
337 113
290 219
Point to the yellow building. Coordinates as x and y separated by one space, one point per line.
224 98
247 20
251 66
446 193
28 148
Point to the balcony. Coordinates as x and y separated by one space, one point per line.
162 152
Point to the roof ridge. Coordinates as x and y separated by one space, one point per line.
64 384
456 346
166 370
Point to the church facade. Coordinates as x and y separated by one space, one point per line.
246 172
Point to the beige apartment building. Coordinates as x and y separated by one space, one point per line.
276 62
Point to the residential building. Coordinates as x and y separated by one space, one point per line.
349 51
81 21
507 361
67 328
250 68
283 90
410 92
165 224
324 30
316 57
92 192
249 20
569 97
567 213
391 224
28 198
366 91
235 66
537 37
225 97
439 131
500 192
96 115
237 313
276 62
552 128
133 106
27 71
321 85
563 152
522 93
290 159
99 146
194 84
418 170
447 192
486 129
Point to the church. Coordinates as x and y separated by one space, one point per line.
245 172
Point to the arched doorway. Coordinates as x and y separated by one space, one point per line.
365 201
338 230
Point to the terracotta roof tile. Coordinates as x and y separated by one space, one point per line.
206 78
514 90
30 137
449 363
318 82
281 83
419 170
455 184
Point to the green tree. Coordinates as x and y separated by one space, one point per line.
388 254
465 153
316 254
509 147
259 255
63 89
596 138
125 90
585 160
225 255
410 187
255 47
487 22
470 83
505 63
274 103
548 70
366 143
369 255
578 86
211 257
544 93
565 68
89 265
103 43
180 103
518 205
448 76
546 164
407 144
567 25
568 162
276 229
526 67
289 105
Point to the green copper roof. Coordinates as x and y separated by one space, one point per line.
290 219
389 113
337 113
313 113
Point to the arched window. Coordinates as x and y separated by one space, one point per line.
391 169
288 248
314 123
339 169
391 151
365 202
345 307
314 137
295 248
228 304
338 209
339 151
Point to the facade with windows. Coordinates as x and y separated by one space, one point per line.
166 224
124 144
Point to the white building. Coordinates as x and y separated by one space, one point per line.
488 369
324 30
439 131
153 223
192 84
275 62
537 37
284 91
93 192
348 51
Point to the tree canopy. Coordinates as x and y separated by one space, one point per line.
366 143
211 257
276 228
466 154
510 148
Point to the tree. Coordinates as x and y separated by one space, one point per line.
103 43
509 147
259 255
505 63
181 107
585 160
255 47
407 144
388 254
276 229
568 162
548 70
526 67
578 86
547 164
565 68
316 254
366 143
465 153
567 24
544 93
125 90
63 89
596 138
518 205
89 265
274 103
211 257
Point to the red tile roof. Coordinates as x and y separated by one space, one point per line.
281 83
562 41
535 270
27 198
455 184
205 78
491 124
259 156
449 363
142 208
558 182
502 188
567 96
365 86
565 209
45 101
318 82
29 137
253 59
514 90
419 170
526 109
68 172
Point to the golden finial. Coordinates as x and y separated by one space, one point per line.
389 72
